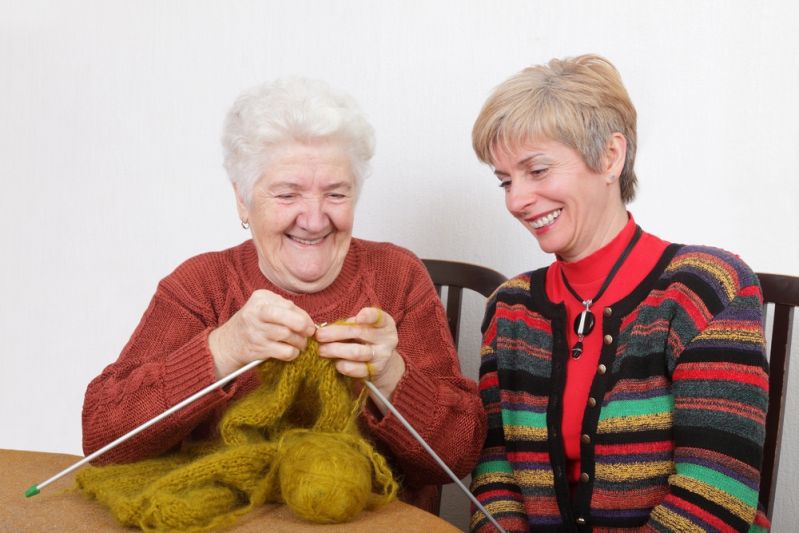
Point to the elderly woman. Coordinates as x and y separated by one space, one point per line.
625 384
296 153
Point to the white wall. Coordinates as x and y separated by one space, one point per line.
110 115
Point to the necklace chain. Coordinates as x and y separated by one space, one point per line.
584 322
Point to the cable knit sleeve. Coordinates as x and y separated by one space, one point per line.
439 402
720 391
166 360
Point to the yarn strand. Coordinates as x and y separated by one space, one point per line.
292 440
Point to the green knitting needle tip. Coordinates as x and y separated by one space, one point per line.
35 489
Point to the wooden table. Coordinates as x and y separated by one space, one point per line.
58 508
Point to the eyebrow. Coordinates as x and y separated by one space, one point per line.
338 185
296 186
519 164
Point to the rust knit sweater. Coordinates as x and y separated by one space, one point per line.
167 359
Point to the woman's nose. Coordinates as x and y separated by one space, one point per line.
313 216
519 198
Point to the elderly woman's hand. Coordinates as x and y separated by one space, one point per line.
366 347
266 326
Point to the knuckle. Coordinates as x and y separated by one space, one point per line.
274 332
258 297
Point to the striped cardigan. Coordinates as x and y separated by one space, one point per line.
674 424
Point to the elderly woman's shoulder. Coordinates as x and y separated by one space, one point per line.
240 253
215 265
385 254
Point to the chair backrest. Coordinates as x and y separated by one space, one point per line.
456 276
783 293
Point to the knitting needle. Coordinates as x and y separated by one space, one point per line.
431 452
35 489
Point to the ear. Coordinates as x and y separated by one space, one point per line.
615 155
241 205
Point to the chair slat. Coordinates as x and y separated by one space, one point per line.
454 311
783 292
457 276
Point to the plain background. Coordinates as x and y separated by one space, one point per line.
111 111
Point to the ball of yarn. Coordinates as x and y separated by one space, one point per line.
294 440
324 479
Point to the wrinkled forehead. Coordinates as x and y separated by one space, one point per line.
304 165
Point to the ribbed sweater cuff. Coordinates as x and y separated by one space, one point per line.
189 370
416 399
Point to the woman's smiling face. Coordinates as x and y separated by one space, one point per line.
568 207
301 214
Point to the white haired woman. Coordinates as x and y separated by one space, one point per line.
296 153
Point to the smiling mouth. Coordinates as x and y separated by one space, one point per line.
545 220
306 242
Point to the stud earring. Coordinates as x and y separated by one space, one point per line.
245 224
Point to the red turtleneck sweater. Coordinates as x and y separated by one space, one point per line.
586 277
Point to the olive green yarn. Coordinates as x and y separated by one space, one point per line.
293 440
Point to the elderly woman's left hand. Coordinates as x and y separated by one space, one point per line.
366 344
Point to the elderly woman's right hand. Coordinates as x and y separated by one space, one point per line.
266 326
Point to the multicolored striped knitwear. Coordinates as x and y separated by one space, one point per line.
674 425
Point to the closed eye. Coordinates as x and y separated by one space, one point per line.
538 173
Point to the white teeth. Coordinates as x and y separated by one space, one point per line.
305 241
546 220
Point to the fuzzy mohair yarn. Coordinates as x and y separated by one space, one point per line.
293 440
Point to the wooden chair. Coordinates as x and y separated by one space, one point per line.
783 293
456 276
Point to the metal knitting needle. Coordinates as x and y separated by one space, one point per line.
431 452
35 489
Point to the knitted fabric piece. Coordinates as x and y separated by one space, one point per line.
167 360
292 440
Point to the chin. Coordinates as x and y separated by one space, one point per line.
311 282
299 286
549 247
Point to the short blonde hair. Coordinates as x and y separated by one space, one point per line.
579 101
